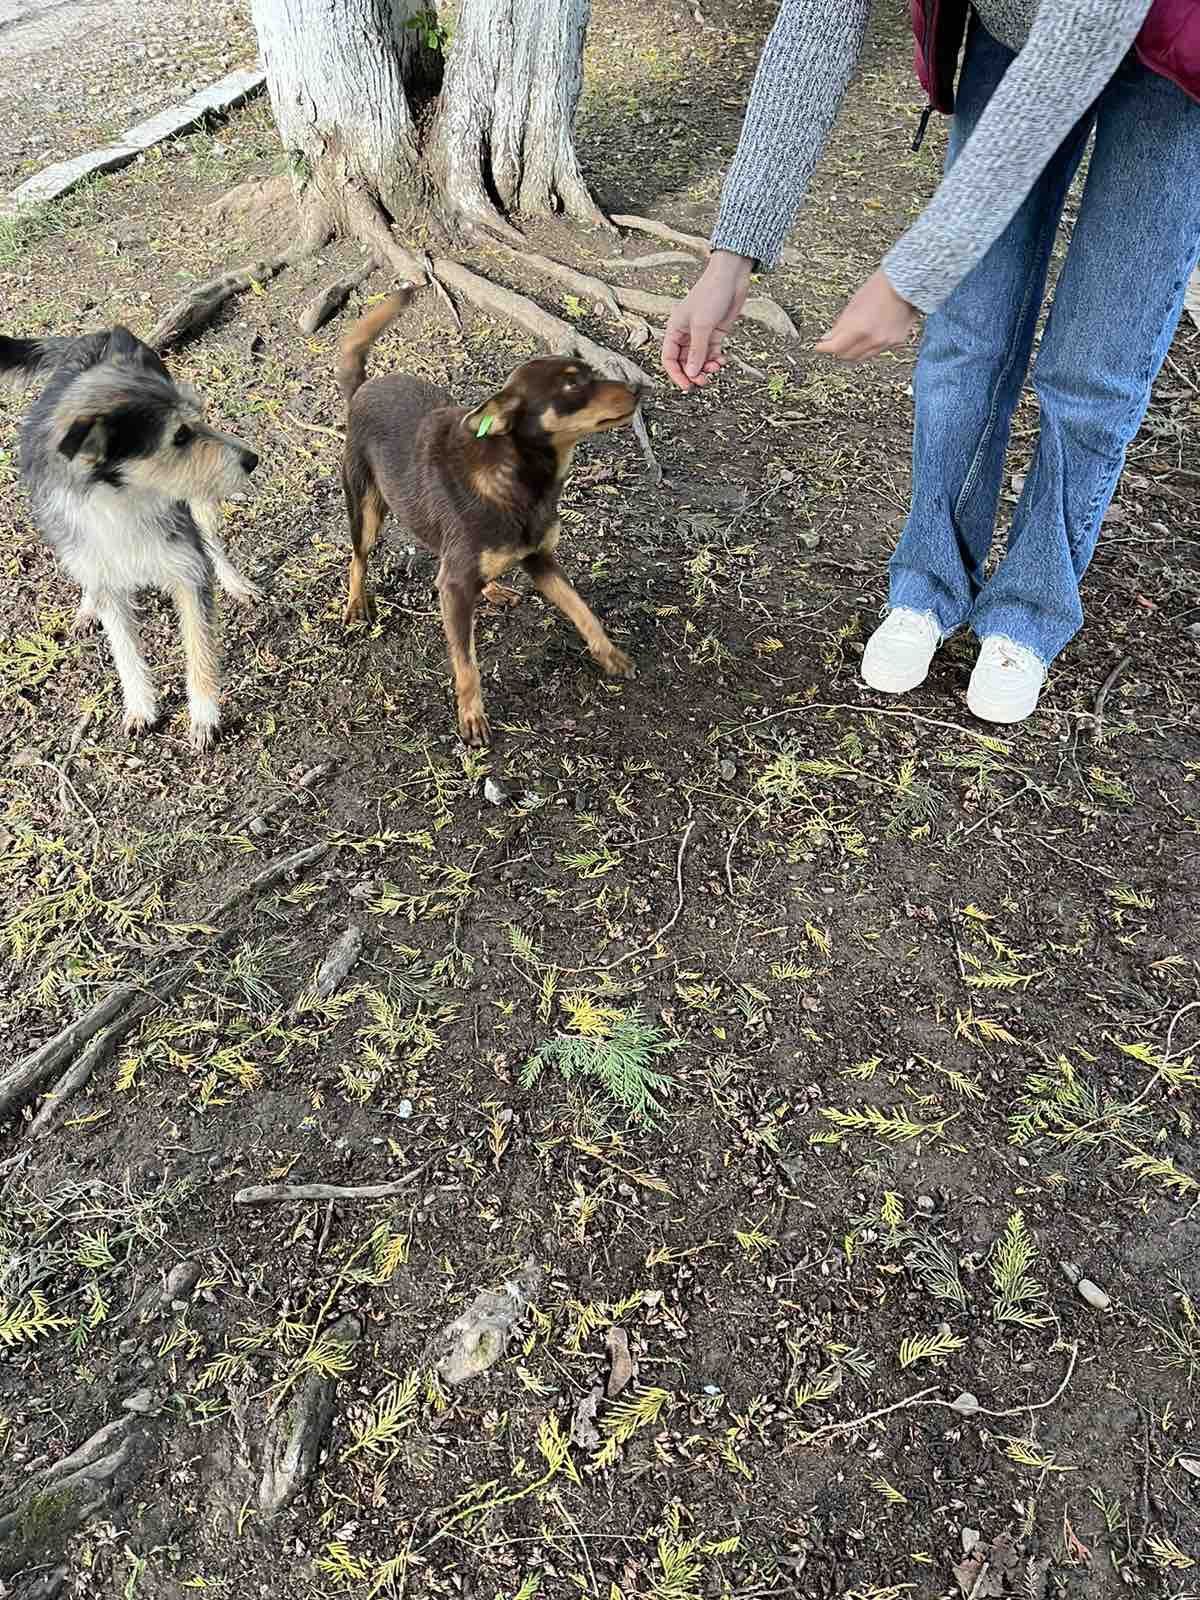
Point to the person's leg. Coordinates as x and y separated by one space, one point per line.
1116 307
972 363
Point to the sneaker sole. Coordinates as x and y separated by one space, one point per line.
999 709
888 680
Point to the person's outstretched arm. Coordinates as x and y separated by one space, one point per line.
805 69
1073 50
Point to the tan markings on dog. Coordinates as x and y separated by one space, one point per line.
360 602
553 585
495 563
201 658
458 620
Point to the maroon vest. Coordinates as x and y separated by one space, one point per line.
1169 44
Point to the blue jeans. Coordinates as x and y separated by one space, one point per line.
1116 306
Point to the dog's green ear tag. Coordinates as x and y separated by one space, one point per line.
485 427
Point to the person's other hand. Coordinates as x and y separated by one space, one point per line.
699 324
875 319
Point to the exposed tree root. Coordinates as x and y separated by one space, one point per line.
200 306
759 308
330 300
580 283
295 1439
690 241
657 258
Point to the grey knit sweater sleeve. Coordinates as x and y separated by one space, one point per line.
1073 49
803 74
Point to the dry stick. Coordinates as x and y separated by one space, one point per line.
921 1399
1182 1012
439 288
98 1053
607 966
330 300
1101 698
269 1194
201 304
27 1077
870 711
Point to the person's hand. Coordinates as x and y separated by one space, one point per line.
875 319
699 324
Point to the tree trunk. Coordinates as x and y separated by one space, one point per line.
503 136
347 79
363 111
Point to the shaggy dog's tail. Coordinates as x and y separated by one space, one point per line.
22 359
360 336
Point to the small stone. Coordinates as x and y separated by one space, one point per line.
1191 1465
259 826
1070 1272
1093 1294
495 792
142 1403
728 770
404 1110
966 1404
970 1538
925 1205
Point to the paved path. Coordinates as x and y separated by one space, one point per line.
73 73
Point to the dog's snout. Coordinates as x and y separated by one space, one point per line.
249 461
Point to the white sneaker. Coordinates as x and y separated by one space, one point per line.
1006 682
898 653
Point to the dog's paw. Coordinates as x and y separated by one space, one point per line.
473 725
616 664
244 592
359 608
84 621
204 722
139 719
203 735
499 594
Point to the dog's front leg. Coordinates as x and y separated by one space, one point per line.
458 597
137 686
552 583
234 583
195 606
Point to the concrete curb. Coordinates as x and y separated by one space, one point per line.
51 183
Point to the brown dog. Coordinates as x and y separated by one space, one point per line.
478 488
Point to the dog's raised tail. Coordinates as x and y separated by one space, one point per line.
361 335
22 359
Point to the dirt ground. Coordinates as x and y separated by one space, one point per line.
798 1317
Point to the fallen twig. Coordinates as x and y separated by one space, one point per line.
270 1194
630 955
1102 697
922 1399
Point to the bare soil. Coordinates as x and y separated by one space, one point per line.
932 991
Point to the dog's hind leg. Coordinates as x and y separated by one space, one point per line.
458 619
366 509
195 606
137 686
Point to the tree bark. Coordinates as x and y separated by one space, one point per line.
503 136
347 80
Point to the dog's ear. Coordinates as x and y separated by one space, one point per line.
496 415
85 439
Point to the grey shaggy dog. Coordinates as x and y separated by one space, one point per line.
125 481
